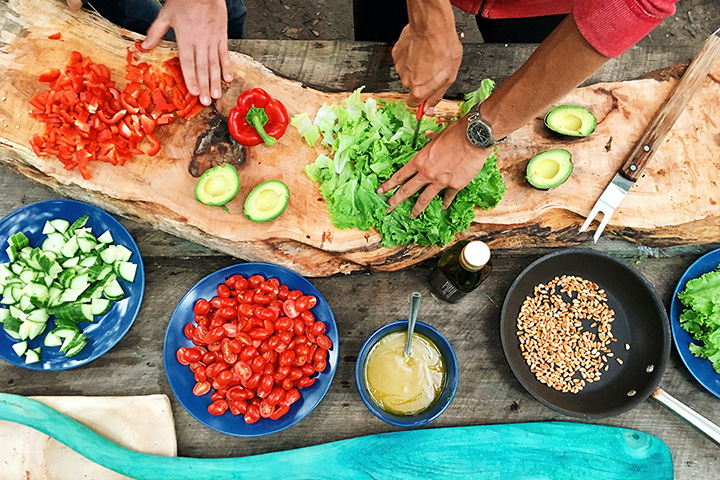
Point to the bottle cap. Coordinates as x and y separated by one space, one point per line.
474 256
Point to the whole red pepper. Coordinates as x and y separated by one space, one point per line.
257 118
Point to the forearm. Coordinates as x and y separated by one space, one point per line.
561 63
431 17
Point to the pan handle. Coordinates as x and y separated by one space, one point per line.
702 424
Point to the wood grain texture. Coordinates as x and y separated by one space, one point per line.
664 120
142 423
520 451
159 191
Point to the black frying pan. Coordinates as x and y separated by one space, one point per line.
640 321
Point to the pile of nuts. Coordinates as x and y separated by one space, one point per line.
565 330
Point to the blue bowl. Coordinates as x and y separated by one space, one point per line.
182 380
700 368
108 329
451 376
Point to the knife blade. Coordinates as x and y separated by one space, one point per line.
654 134
110 25
418 117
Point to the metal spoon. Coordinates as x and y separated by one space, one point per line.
414 306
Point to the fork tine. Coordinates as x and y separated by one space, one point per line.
591 216
603 223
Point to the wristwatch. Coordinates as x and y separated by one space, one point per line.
478 131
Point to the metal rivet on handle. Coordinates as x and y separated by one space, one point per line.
646 148
633 167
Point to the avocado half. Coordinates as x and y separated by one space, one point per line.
549 169
267 201
218 185
571 120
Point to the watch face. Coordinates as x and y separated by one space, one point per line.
479 134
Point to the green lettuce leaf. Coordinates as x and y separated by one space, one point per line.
369 141
473 98
701 318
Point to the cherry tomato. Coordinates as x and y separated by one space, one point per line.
223 291
279 412
229 302
260 298
302 303
248 353
298 325
252 414
192 355
253 381
307 369
225 377
287 384
231 330
258 363
321 365
215 334
295 373
242 370
295 294
281 372
307 318
228 313
215 303
218 395
258 333
246 310
275 396
290 308
265 386
202 307
200 374
266 409
201 388
274 281
291 396
244 338
255 280
237 407
312 301
283 292
319 356
305 382
287 358
240 283
189 331
324 342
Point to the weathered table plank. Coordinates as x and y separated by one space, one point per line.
488 392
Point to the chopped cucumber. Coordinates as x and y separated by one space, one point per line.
20 348
70 279
33 355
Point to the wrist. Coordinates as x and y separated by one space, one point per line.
479 131
431 18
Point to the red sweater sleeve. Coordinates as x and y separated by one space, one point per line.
613 26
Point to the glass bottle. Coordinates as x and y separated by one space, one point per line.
460 270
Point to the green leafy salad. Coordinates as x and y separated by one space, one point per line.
701 318
369 141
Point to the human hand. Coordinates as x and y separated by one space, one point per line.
201 31
75 5
448 162
428 63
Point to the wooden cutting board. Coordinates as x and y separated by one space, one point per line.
675 203
141 423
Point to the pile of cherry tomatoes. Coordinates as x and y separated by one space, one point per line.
256 345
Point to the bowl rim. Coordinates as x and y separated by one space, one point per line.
451 381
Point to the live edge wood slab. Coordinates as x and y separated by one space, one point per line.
674 203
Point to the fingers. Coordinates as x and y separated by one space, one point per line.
75 5
186 53
401 176
225 63
424 199
156 32
405 192
448 197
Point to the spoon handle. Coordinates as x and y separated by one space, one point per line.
414 307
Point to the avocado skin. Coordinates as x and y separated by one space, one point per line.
230 173
589 122
253 214
564 159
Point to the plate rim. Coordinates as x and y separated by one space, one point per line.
333 354
87 209
690 361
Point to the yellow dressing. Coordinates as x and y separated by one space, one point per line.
403 385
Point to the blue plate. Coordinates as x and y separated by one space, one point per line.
106 330
181 379
700 368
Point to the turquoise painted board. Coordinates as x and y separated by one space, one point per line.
523 451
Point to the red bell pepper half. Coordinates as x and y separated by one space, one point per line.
257 118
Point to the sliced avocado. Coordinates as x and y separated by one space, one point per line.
572 120
267 201
218 185
549 169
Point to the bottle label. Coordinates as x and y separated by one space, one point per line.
447 290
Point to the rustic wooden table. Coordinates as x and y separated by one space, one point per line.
488 392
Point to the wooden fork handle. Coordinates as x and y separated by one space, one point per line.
664 120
